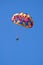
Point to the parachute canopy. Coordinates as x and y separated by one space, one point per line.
22 19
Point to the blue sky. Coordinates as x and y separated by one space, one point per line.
29 49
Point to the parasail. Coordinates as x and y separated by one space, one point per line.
23 19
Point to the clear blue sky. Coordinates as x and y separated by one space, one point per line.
29 49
